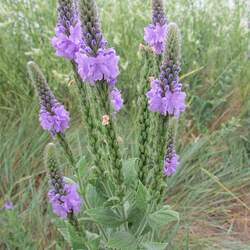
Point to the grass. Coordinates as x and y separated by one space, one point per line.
210 190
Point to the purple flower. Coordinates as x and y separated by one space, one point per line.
103 66
155 97
66 202
53 116
158 14
166 95
55 120
116 99
155 33
174 101
91 29
155 36
66 45
8 205
171 163
166 102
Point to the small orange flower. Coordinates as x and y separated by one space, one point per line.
151 78
120 140
105 120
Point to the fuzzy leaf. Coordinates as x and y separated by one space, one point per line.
62 227
69 234
82 167
77 241
135 216
94 198
129 172
65 234
93 241
162 217
123 241
154 246
104 216
141 197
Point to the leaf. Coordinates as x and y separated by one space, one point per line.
69 234
63 229
77 241
141 197
154 245
129 172
135 217
123 241
82 167
192 72
104 216
94 198
93 240
162 217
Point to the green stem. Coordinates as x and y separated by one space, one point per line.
110 134
86 203
92 127
144 115
159 152
63 142
74 222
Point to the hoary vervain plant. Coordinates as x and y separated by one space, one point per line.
113 203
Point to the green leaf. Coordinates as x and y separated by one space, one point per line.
63 229
94 198
154 246
135 217
123 241
69 234
58 247
129 172
141 197
77 241
82 167
93 240
162 217
104 216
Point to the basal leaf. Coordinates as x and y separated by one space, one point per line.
141 197
94 198
162 217
104 216
129 171
154 246
123 241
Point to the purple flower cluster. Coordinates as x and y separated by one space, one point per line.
8 205
116 99
165 100
155 36
67 39
53 116
171 163
66 202
103 66
67 45
155 33
55 120
79 39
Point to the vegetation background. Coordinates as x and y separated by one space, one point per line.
211 190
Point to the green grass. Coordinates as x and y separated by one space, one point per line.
211 188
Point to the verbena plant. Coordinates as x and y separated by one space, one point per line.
111 202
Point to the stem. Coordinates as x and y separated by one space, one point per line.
110 133
63 142
159 152
74 222
92 125
86 203
148 65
